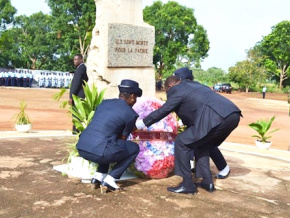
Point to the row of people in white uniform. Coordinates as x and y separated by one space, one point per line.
12 77
54 80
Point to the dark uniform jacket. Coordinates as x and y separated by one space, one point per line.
199 108
112 118
80 75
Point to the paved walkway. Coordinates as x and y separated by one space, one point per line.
15 134
228 146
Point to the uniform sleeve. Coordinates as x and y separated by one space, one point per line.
129 127
173 101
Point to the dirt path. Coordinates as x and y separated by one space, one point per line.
46 114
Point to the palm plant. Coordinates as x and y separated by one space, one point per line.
262 127
84 109
21 118
57 96
83 112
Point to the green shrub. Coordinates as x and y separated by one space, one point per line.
21 118
262 127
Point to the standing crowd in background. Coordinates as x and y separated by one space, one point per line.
54 80
25 78
18 78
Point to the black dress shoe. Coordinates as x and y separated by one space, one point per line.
95 184
218 176
106 187
182 189
209 187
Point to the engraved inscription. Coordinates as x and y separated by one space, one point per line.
130 46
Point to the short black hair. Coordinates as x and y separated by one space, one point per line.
79 56
171 80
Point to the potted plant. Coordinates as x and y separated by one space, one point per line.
262 127
21 119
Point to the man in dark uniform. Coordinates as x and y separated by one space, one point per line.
104 140
80 75
224 170
209 118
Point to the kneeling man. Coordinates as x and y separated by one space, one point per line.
104 140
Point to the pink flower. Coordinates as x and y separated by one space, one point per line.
156 157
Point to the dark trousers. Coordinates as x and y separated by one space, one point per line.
75 131
216 156
264 94
18 81
123 158
24 82
202 149
6 81
12 81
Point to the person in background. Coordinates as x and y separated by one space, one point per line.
80 76
6 77
40 80
1 77
104 140
25 79
59 80
12 77
21 78
185 74
46 80
50 80
159 84
18 76
30 79
209 118
66 80
264 91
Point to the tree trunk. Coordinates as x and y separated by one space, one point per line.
281 80
33 65
283 75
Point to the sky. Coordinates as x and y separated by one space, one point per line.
233 26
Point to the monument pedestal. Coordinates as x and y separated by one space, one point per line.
121 47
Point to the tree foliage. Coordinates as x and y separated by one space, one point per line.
73 22
178 37
7 12
35 40
276 48
250 72
49 41
243 73
211 76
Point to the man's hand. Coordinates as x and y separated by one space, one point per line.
140 124
70 101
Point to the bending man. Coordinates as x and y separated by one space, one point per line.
214 152
209 118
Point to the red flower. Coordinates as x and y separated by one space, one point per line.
161 168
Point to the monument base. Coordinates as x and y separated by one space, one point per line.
83 170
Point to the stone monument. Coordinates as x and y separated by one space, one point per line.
121 47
